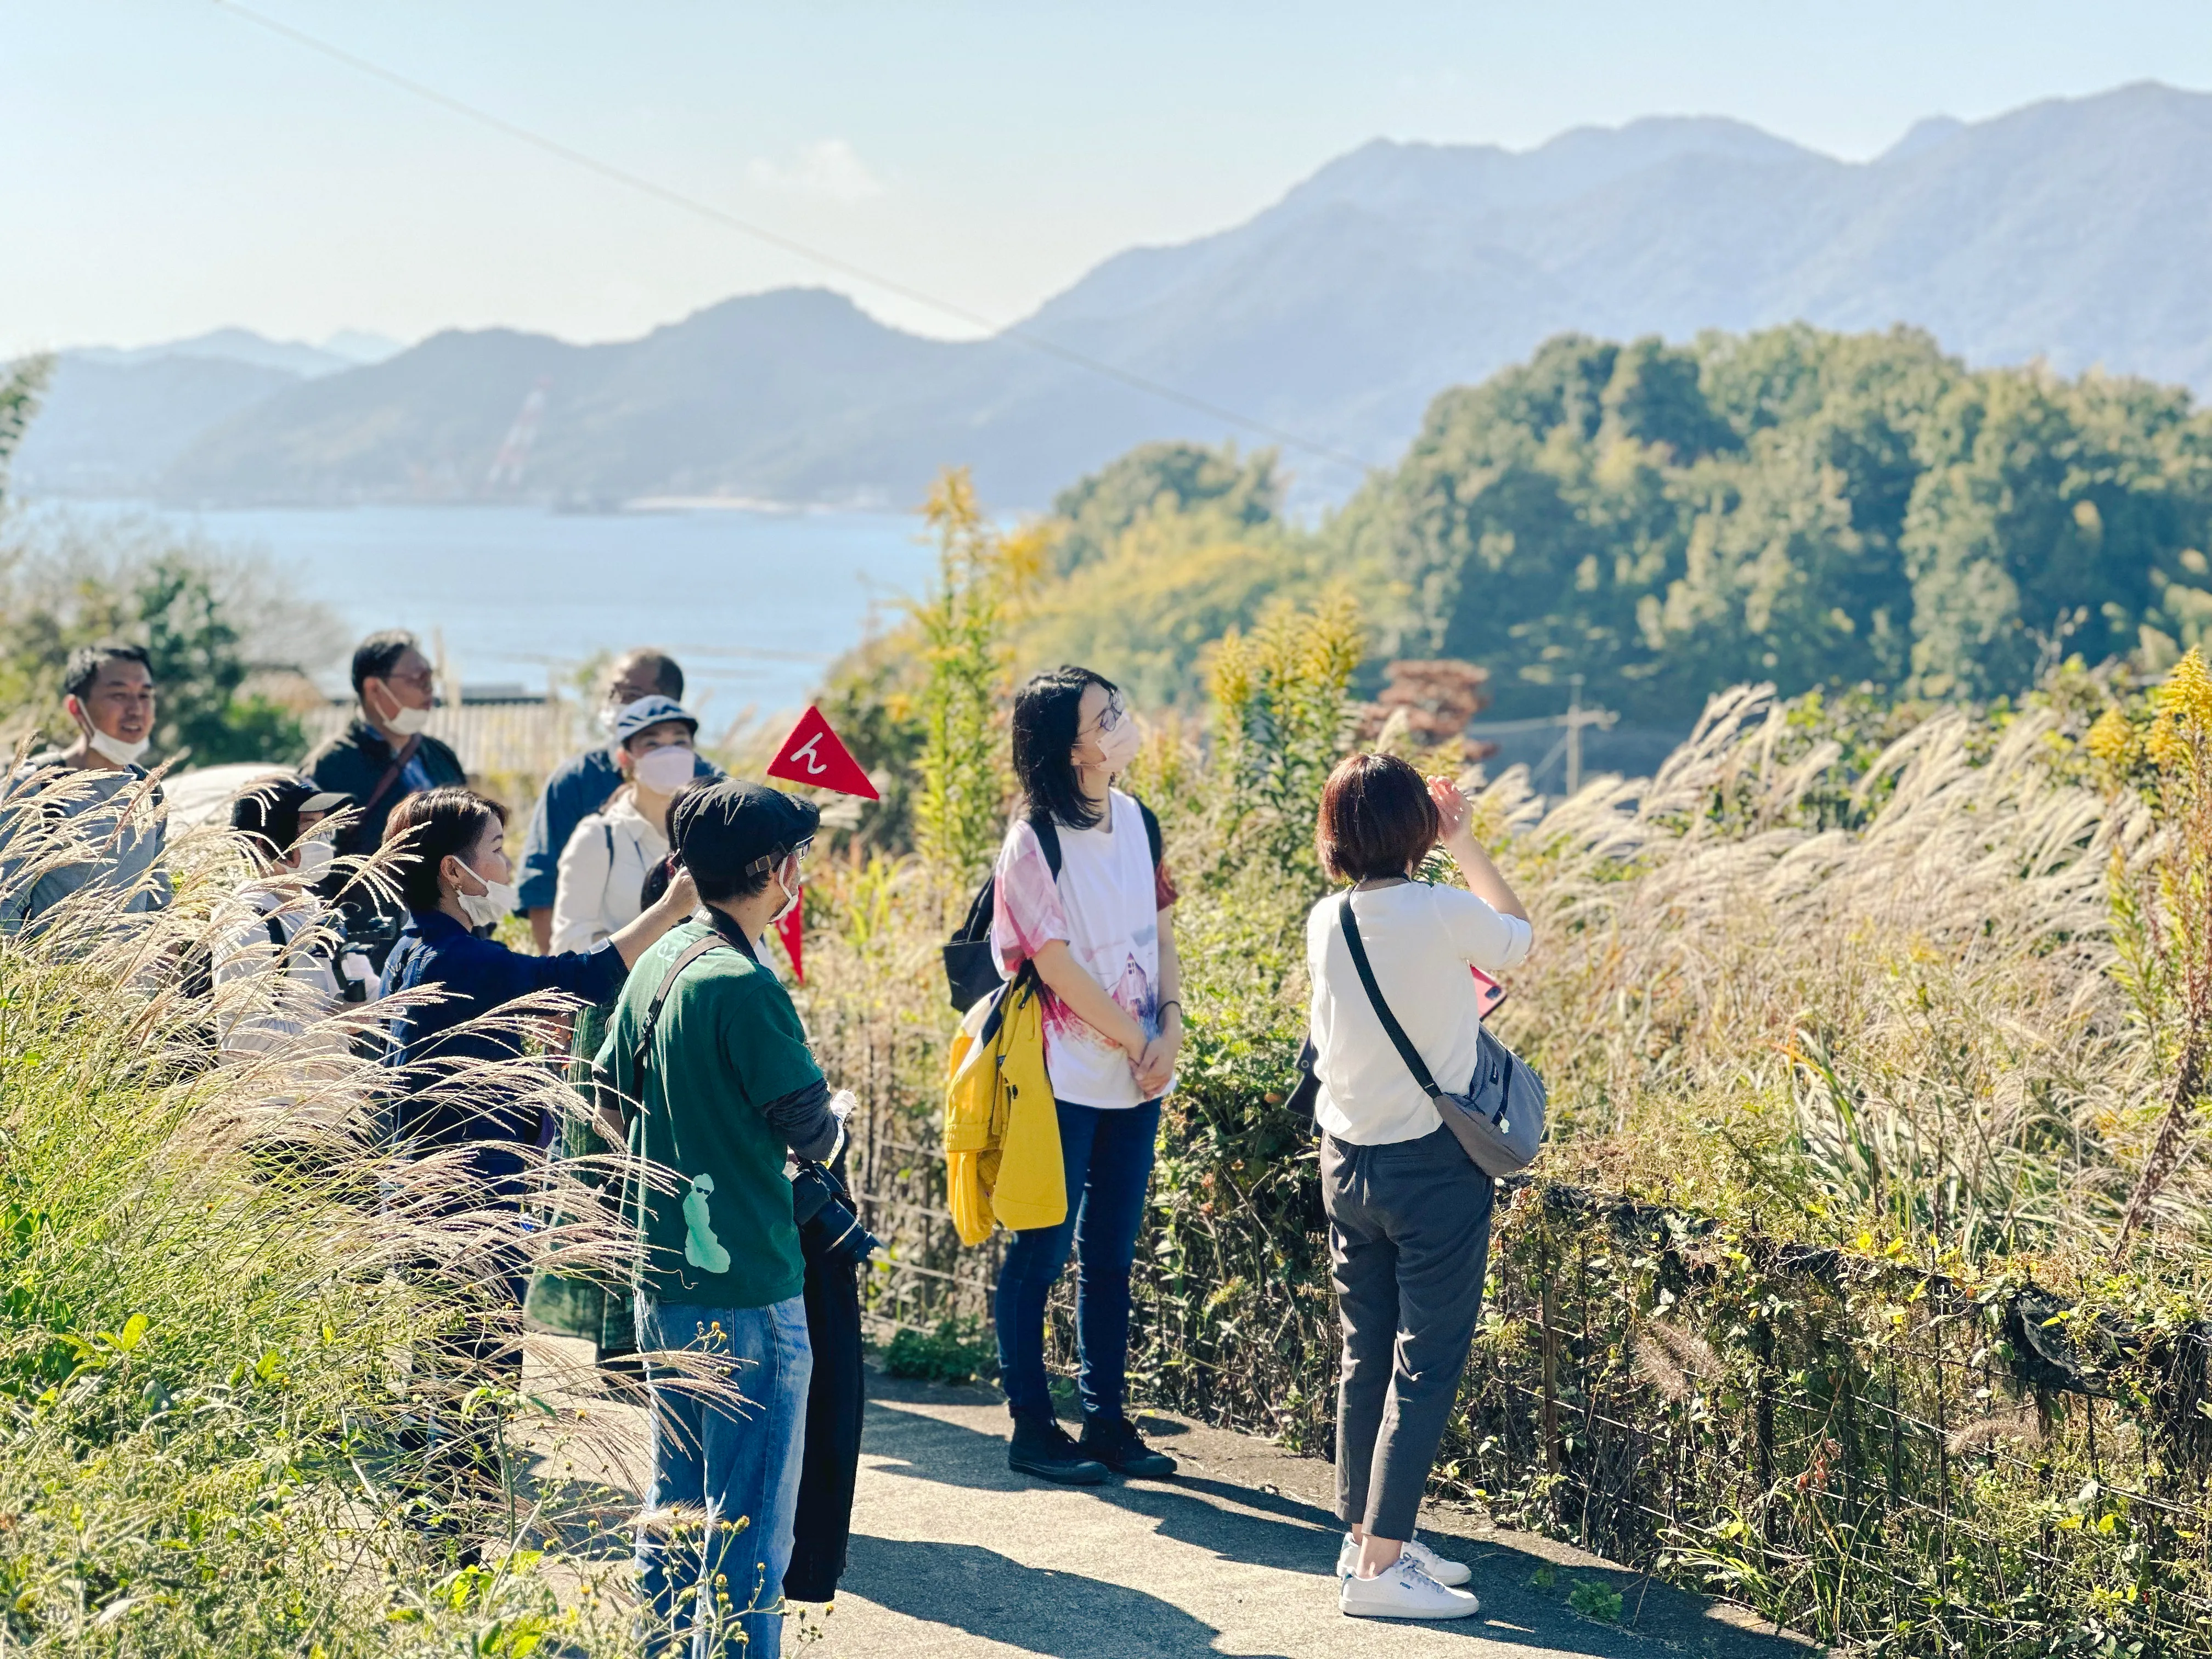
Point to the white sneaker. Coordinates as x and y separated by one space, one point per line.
1443 1572
1402 1590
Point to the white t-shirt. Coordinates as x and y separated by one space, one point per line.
1420 941
1106 905
602 873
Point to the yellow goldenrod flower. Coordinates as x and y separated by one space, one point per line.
2112 739
2185 711
2167 745
2187 693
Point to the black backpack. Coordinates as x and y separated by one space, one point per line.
970 970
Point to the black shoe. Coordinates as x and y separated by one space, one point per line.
1114 1441
1045 1450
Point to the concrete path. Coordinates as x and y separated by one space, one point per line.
955 1557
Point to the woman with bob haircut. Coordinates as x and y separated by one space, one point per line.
1408 1210
453 873
1100 934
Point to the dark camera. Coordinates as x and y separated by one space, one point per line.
816 1205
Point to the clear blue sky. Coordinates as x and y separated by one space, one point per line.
167 167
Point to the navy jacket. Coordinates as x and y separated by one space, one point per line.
475 977
355 762
579 789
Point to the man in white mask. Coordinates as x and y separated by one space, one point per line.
384 755
93 793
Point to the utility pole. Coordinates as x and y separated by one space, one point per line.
1574 735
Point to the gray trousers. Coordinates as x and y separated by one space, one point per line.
1408 1244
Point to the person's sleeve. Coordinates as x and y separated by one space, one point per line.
594 975
1165 891
1027 913
579 895
1479 934
703 767
763 1044
540 876
805 1121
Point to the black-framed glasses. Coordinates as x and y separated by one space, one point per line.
1111 716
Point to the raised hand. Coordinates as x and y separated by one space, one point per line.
1453 807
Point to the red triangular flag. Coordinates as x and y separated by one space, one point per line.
788 931
812 754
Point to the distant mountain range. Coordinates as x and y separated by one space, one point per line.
115 420
2079 231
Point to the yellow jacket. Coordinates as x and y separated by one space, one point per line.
1001 1129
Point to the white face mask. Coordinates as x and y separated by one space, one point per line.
790 898
122 753
314 857
408 722
114 749
485 909
664 770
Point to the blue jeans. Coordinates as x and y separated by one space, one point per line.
733 1466
1106 1153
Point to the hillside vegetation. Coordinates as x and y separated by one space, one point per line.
1802 507
1864 1277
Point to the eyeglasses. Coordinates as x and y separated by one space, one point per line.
769 860
1111 716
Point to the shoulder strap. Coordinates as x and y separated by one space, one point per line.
276 932
1151 832
1047 835
406 752
698 948
1396 1032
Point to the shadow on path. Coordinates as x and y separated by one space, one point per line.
1063 1614
1523 1589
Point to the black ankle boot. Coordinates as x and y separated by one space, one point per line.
1042 1448
1114 1442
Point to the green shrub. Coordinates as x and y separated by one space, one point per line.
956 1351
1593 1598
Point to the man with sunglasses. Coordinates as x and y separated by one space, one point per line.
706 1044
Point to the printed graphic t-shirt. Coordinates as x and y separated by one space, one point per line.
1106 906
719 1231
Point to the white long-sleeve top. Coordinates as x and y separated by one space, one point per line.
265 1022
602 873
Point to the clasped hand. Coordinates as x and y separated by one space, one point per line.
1154 1063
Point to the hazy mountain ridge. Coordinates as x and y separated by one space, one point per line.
2072 230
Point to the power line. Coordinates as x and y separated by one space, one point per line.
776 239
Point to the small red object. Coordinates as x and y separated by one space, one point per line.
788 931
812 754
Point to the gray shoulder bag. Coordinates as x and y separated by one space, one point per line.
1499 1120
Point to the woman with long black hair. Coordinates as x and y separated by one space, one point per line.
1081 894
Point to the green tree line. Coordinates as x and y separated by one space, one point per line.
1811 508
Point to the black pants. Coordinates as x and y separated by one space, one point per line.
835 1402
1408 1245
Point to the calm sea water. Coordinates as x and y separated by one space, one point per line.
755 605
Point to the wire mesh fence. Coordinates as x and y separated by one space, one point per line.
1854 1444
